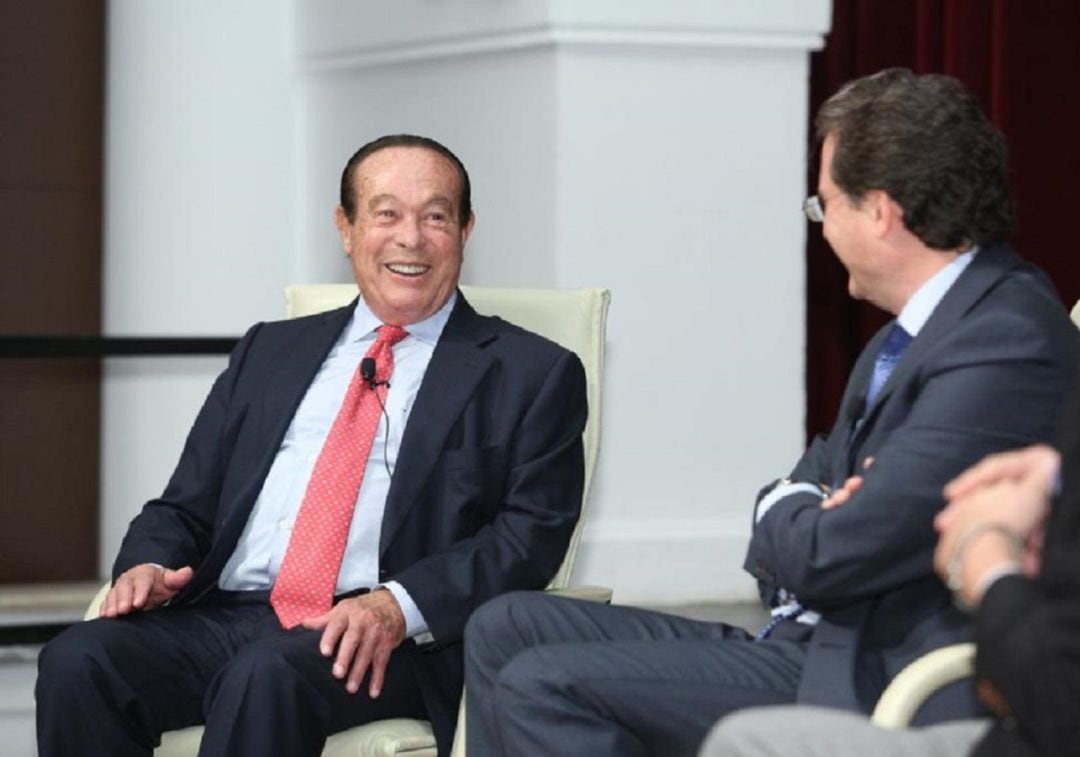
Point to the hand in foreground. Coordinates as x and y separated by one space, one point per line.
144 587
1010 490
1022 479
1039 460
364 630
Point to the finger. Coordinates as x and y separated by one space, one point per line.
977 475
175 580
839 497
944 518
853 484
378 669
361 662
335 627
125 590
989 470
949 533
867 463
108 606
943 553
346 650
316 622
141 586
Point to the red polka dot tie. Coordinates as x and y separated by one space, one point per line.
305 584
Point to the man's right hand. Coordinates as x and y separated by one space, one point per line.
1038 461
144 587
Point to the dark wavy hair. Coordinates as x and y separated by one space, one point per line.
924 141
348 188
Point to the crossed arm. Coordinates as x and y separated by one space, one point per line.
874 532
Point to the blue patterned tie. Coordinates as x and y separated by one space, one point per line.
791 611
895 344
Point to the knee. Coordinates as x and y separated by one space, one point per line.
69 658
487 620
493 634
535 675
513 614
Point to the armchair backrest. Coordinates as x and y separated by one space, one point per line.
573 318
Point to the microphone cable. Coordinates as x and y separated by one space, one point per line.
367 373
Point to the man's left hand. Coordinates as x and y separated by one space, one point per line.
840 496
364 630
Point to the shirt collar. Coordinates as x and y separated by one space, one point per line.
364 322
921 306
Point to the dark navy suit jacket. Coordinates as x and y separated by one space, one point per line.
483 500
987 372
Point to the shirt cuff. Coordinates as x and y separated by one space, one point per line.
416 628
784 489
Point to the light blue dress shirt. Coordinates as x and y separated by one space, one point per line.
257 559
917 310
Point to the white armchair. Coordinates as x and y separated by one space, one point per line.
575 319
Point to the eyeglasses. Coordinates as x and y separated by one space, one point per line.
814 207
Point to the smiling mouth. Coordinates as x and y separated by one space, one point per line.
408 269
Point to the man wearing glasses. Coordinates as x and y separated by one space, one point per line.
913 199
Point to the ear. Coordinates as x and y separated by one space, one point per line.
344 228
886 213
466 230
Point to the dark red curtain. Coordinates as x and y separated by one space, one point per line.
1022 59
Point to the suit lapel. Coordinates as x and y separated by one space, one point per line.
305 355
299 361
988 267
457 365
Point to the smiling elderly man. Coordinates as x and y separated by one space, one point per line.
356 483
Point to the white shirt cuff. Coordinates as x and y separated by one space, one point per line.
416 627
784 490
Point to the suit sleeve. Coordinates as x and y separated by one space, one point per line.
995 383
1027 631
522 547
175 529
1028 650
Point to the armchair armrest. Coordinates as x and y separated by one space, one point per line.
94 607
914 684
601 594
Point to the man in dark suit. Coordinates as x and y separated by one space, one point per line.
914 201
298 577
1009 547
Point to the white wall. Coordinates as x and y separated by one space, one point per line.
200 214
653 150
681 177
